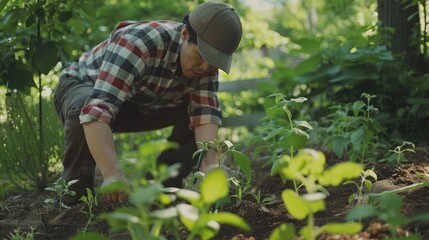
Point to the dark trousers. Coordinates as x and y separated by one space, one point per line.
78 162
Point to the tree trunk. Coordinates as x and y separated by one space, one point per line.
404 20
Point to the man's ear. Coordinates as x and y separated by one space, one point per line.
184 33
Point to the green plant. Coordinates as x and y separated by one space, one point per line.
396 155
285 135
239 177
387 207
268 199
308 167
362 185
223 149
197 217
154 208
27 160
91 201
61 188
357 134
18 235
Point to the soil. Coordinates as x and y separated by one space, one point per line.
29 210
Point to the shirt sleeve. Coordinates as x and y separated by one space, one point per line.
204 107
122 63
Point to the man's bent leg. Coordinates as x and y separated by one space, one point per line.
78 162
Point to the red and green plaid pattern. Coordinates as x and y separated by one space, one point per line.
138 62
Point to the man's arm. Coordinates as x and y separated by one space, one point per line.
99 138
206 133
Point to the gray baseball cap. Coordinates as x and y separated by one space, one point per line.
219 32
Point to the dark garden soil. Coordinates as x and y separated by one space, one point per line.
29 210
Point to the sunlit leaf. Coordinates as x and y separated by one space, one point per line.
214 186
167 213
188 215
189 195
282 232
340 172
295 204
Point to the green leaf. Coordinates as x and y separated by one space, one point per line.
188 215
296 102
123 217
368 184
77 26
392 202
230 219
315 201
72 182
214 186
210 230
117 186
45 57
283 232
358 107
339 144
189 195
273 133
295 138
19 77
361 212
295 204
164 214
342 228
304 124
340 172
357 137
280 164
243 162
146 195
313 162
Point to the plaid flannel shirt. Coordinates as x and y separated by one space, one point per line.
138 62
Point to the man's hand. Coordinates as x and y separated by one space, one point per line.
115 196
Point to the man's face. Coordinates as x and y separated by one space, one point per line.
192 63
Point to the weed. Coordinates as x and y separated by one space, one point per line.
61 188
18 235
396 155
91 202
364 184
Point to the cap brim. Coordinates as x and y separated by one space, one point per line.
214 56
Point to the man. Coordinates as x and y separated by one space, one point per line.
145 76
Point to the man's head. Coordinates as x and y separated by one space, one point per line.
218 32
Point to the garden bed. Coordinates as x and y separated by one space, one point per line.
29 210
